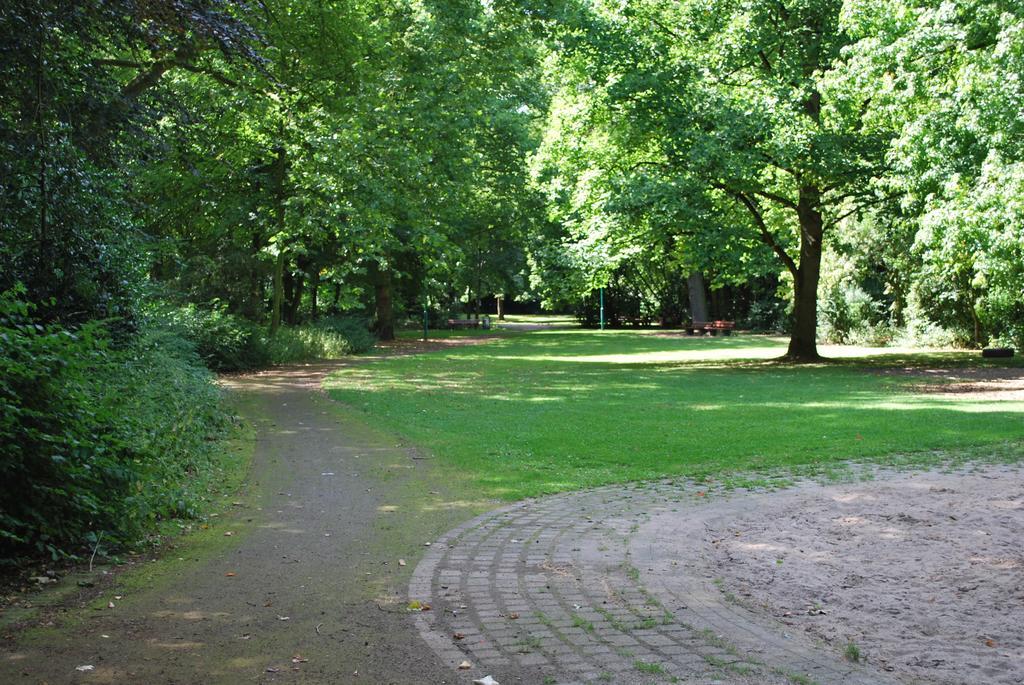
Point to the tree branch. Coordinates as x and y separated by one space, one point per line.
150 74
785 202
766 235
863 205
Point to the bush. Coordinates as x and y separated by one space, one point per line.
330 338
229 343
356 330
97 440
223 341
846 313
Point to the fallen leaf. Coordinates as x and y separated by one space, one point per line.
229 533
513 615
271 669
298 659
284 618
87 667
230 574
990 643
459 636
465 666
401 562
110 605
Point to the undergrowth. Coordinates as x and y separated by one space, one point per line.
101 439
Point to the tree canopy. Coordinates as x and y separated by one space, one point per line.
830 168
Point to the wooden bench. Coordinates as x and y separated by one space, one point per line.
712 327
463 323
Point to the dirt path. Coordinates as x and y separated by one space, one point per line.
304 590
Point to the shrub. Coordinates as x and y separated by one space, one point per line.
97 440
223 341
327 339
230 343
848 314
356 330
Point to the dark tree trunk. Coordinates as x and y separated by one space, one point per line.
293 296
253 308
288 281
698 296
314 291
385 321
278 294
803 345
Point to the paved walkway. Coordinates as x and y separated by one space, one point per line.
572 588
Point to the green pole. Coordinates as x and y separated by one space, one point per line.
602 308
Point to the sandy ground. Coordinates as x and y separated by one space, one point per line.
923 573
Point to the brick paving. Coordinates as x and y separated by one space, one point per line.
570 589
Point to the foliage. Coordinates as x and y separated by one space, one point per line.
97 440
329 339
355 330
297 161
226 342
223 341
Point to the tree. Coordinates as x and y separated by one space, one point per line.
738 99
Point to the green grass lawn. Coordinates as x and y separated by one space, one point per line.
533 413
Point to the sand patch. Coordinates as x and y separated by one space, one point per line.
923 573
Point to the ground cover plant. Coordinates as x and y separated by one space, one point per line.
545 411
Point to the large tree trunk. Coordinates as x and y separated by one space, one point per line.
385 320
501 307
803 345
698 296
